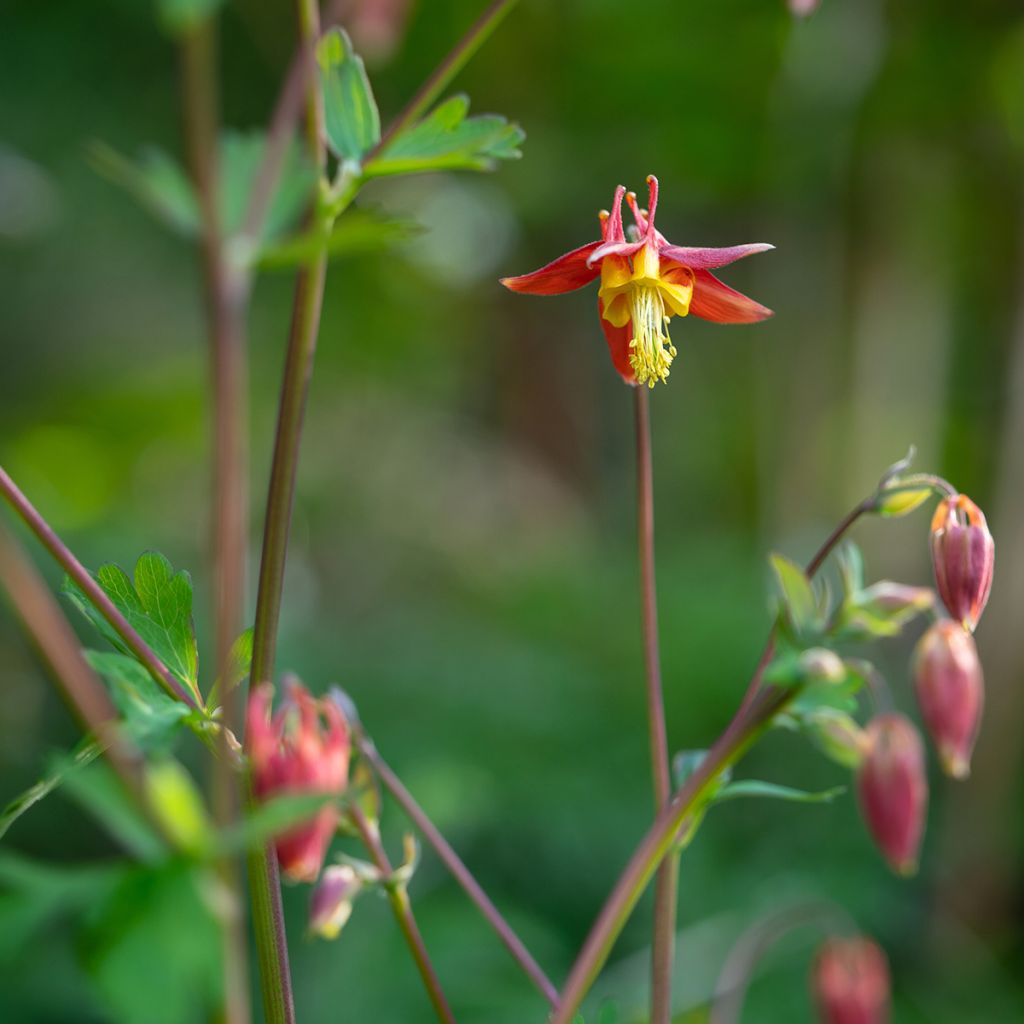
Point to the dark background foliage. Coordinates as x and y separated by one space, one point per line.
463 558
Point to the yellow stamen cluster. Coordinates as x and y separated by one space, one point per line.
652 350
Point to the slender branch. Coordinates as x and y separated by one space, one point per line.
456 867
264 872
226 293
758 708
398 897
476 35
667 883
46 536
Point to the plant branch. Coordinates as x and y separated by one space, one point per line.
456 867
226 294
398 897
476 35
46 536
667 883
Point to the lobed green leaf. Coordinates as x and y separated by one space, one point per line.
351 118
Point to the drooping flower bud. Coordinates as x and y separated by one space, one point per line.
894 789
331 903
304 749
851 982
950 693
963 555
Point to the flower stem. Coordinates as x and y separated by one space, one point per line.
456 867
46 536
264 872
758 708
667 884
226 295
398 897
475 36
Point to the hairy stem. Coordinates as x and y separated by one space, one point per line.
264 872
667 883
758 708
475 36
226 293
46 536
398 897
457 868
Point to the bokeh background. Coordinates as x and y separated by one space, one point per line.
463 554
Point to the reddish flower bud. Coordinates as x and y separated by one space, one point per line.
304 749
331 904
963 554
894 790
851 982
950 693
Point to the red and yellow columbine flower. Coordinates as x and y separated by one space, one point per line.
644 283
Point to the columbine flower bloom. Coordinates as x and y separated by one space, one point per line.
963 556
644 283
851 982
296 752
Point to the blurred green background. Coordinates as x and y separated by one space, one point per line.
463 553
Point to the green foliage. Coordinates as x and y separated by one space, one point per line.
772 791
446 139
800 611
157 603
351 119
177 806
84 753
157 925
178 16
268 820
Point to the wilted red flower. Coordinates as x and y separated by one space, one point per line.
850 982
304 749
894 789
950 693
963 555
645 283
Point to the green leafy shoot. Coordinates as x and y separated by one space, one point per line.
351 118
84 753
157 603
448 140
239 663
800 612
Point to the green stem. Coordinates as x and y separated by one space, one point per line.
226 295
398 897
264 872
475 36
667 884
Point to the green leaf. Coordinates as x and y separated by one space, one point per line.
799 605
239 663
152 950
178 807
769 790
179 16
151 716
896 501
351 119
85 753
686 762
881 610
158 606
100 792
449 140
269 820
355 233
837 696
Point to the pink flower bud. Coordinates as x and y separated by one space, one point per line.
851 982
894 790
331 903
963 555
304 749
950 693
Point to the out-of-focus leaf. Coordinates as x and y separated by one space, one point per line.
897 501
448 140
269 820
157 604
181 15
851 569
351 119
769 790
151 716
99 792
881 610
85 753
239 663
152 950
800 610
178 807
354 233
837 696
156 181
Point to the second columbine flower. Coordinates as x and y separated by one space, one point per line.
645 282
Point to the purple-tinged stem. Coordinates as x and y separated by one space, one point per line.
457 868
46 536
